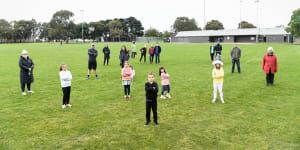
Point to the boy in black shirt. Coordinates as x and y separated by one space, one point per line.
151 88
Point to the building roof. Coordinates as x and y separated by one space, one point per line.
232 32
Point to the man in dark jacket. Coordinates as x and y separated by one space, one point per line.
212 52
106 53
157 51
92 65
26 72
124 56
235 56
218 49
151 88
143 53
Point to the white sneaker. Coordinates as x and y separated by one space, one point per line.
23 93
223 102
69 105
168 95
63 106
214 100
162 97
30 91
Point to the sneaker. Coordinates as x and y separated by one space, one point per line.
162 97
168 96
23 93
267 84
156 123
30 91
88 77
223 102
272 84
128 97
63 106
125 97
214 100
69 105
97 77
147 123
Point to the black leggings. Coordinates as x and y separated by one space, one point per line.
106 58
23 86
270 77
143 55
127 89
212 57
66 98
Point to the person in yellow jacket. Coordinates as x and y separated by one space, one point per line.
218 75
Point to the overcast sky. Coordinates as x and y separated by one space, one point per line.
159 14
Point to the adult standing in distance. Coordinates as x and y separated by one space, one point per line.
218 50
124 56
106 52
236 54
92 64
133 50
143 53
270 66
212 52
26 72
157 51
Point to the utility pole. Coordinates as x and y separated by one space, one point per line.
204 15
82 11
240 24
257 17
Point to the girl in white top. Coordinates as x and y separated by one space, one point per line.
65 79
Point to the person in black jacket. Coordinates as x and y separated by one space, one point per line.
106 53
218 49
93 53
26 72
212 52
157 51
151 88
143 53
124 56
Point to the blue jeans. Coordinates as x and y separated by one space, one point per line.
151 58
157 60
237 61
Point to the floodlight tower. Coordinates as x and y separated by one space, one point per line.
204 15
82 11
240 24
257 17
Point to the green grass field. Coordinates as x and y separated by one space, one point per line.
254 116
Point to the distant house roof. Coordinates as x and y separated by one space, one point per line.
231 32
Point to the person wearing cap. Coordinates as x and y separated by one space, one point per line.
218 50
106 52
133 50
270 66
235 56
26 72
92 64
218 75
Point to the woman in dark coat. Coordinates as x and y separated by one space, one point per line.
26 72
270 66
124 56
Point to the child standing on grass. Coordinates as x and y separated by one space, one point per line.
218 75
151 88
126 79
65 79
132 73
165 84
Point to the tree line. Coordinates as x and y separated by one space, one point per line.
62 28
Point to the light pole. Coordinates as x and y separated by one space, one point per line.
82 11
240 24
257 17
204 15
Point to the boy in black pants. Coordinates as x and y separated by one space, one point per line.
151 88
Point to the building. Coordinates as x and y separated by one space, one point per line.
272 35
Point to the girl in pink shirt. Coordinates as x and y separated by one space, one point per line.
126 79
165 84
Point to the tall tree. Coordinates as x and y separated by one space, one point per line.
152 32
214 25
98 29
185 24
135 28
245 24
23 29
5 29
62 26
294 24
115 29
44 31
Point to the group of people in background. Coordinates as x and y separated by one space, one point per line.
269 65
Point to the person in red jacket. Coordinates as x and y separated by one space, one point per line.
270 66
151 54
